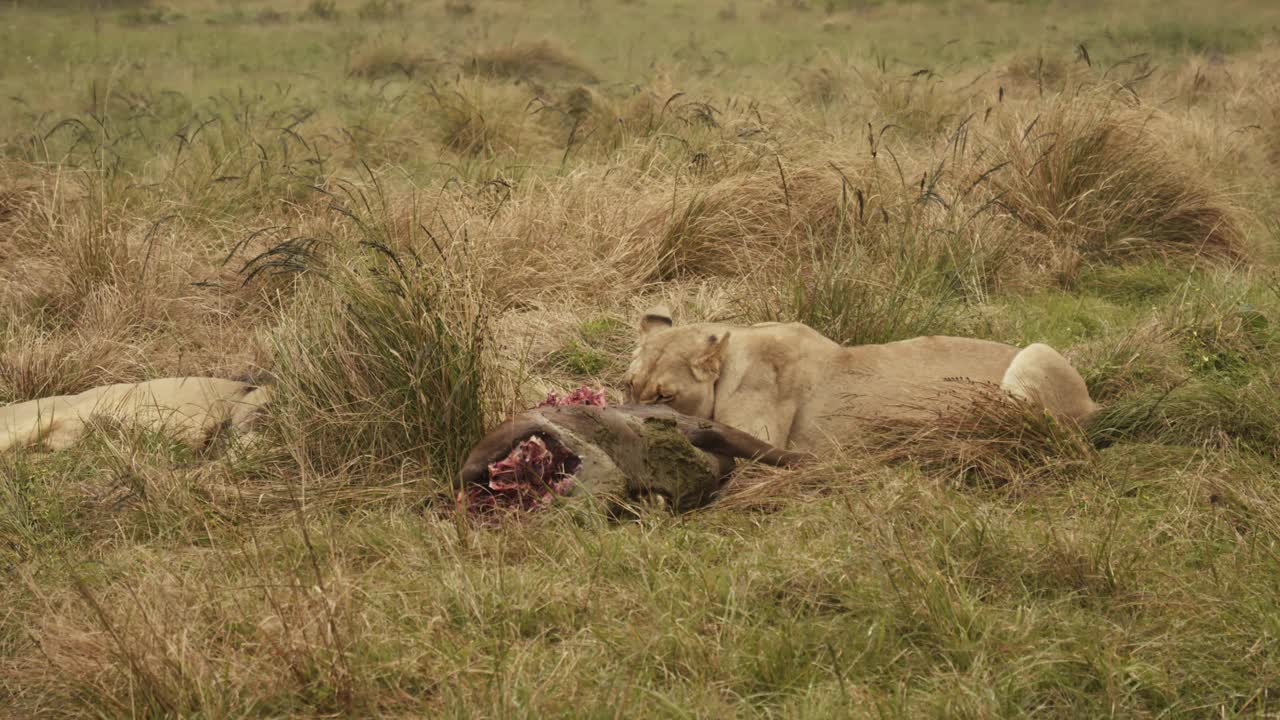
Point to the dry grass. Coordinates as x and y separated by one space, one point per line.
388 364
746 220
1144 357
980 439
1040 75
414 253
825 85
598 123
916 103
1089 173
983 438
302 634
85 4
380 60
474 119
768 489
541 61
34 365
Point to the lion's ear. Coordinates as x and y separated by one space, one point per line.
656 318
706 366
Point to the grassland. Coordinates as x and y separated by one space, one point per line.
421 216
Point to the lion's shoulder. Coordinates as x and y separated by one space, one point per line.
791 345
792 334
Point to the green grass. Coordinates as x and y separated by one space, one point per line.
1207 37
421 216
596 353
580 360
1058 318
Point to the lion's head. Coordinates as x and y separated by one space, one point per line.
676 366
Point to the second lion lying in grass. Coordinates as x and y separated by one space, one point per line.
192 409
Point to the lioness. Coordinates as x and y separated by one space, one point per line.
193 409
790 386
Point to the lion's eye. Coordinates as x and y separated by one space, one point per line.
664 399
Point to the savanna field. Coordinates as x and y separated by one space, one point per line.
420 217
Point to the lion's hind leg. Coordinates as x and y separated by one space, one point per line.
1040 374
51 422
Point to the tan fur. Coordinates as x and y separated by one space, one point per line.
794 388
190 408
1040 374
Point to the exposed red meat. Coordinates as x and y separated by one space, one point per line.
535 472
582 396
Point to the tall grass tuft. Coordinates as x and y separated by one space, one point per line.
382 10
824 85
380 60
745 220
883 263
34 364
322 10
1091 176
916 104
854 298
387 365
1199 412
477 120
984 438
880 284
532 61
